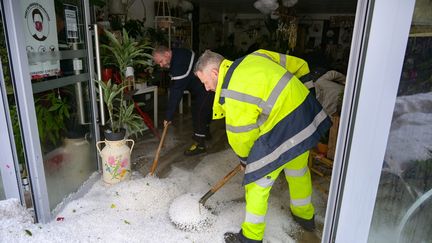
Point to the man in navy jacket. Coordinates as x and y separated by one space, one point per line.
180 63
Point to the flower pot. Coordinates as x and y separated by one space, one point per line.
116 164
322 148
107 74
117 78
115 136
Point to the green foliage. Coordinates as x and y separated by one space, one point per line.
127 52
116 22
5 60
135 28
124 52
120 111
17 133
52 112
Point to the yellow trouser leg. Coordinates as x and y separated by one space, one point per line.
298 177
257 194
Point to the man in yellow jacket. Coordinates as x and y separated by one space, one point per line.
272 120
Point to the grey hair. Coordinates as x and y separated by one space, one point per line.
208 59
160 49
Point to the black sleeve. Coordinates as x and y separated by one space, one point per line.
181 74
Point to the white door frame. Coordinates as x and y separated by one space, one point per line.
379 43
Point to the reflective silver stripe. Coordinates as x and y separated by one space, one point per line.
309 84
239 129
287 145
277 90
244 98
296 173
261 55
232 94
283 60
301 202
265 106
265 182
188 71
254 219
261 119
200 135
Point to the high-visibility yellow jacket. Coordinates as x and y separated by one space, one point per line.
294 65
271 117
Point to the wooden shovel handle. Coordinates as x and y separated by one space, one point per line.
226 178
220 183
156 159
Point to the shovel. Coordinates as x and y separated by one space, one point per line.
219 184
156 159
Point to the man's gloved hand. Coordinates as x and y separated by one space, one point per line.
166 123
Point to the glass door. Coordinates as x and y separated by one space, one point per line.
54 87
10 139
403 207
60 83
380 40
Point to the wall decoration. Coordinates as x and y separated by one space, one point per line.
314 33
41 37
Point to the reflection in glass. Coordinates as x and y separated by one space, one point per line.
60 82
69 158
403 209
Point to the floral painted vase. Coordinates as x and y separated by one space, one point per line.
116 164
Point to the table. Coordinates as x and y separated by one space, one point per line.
149 89
186 92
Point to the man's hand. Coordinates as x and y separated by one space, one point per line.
243 165
166 123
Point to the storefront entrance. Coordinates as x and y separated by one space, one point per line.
51 95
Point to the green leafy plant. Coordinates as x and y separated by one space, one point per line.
123 52
120 111
126 52
17 133
135 28
52 111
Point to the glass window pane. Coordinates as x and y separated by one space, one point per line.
69 158
10 98
57 52
403 208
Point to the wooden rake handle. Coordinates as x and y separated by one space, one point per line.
220 183
156 159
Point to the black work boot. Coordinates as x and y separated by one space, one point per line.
195 149
231 237
307 224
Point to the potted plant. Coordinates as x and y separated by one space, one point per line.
124 53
